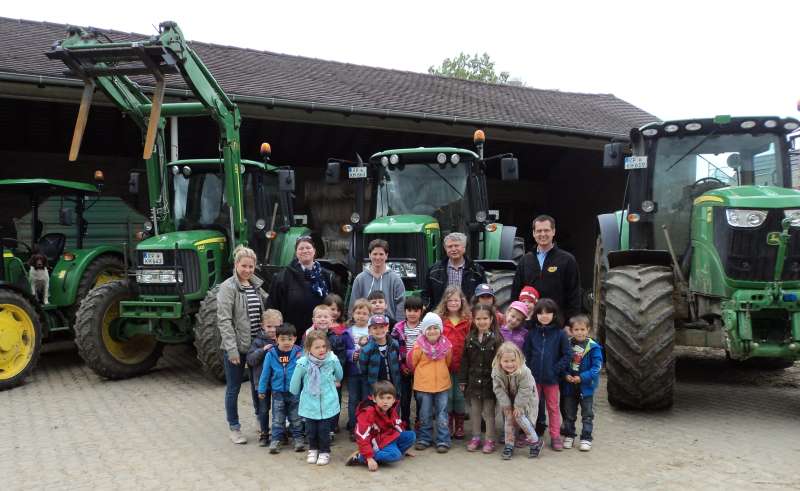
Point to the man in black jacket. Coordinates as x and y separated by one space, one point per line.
455 269
552 271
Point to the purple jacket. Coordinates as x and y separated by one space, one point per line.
517 336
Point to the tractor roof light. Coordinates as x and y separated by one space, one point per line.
186 171
355 218
441 158
790 125
633 217
175 170
98 176
671 128
265 150
650 132
693 126
479 137
746 125
385 161
744 218
271 235
455 159
770 123
347 228
394 159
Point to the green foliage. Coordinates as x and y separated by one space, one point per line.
470 67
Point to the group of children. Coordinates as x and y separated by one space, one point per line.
508 369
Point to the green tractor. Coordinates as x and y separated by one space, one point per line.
418 196
706 252
200 210
27 319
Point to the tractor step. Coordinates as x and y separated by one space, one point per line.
146 309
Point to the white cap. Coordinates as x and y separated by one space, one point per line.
431 320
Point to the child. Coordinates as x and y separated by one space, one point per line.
262 343
484 295
582 380
475 377
318 371
406 333
340 342
359 334
279 365
377 301
430 359
529 296
455 314
514 330
379 431
380 357
515 390
547 353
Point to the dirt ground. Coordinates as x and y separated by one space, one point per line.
67 428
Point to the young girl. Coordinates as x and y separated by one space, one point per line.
318 372
455 314
359 335
340 342
514 330
515 389
475 377
547 353
430 358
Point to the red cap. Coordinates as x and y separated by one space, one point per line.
529 293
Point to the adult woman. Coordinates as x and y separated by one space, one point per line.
300 287
240 302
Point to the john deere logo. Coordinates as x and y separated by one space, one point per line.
774 238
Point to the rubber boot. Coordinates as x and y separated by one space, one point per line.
458 434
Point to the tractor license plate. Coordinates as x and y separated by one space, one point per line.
357 172
153 258
639 162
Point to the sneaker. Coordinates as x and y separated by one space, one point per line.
275 447
237 437
474 444
535 448
508 452
299 446
520 442
263 438
586 445
556 444
312 456
352 459
568 442
421 446
442 448
323 459
488 446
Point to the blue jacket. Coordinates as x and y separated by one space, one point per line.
275 373
326 404
256 354
589 370
369 361
547 353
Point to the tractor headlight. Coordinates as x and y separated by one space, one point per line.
745 218
158 276
794 216
404 269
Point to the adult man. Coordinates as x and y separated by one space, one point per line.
379 277
552 271
455 269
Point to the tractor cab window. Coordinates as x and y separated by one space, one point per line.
687 167
199 201
425 189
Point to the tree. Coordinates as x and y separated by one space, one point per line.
474 67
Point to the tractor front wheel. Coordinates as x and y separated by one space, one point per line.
207 339
20 338
98 343
100 271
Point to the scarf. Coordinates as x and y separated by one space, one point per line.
435 351
315 374
314 276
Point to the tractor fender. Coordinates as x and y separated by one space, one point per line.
66 276
608 228
501 264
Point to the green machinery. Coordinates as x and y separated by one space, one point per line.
26 319
705 253
200 209
419 195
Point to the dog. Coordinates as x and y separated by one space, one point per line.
39 278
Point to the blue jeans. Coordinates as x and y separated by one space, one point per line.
406 390
261 406
433 406
318 432
393 451
234 374
357 391
285 405
571 404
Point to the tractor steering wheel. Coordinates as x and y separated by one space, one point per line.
705 180
8 241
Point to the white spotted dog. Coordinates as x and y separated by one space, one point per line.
39 278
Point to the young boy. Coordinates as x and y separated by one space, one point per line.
377 300
379 431
278 368
580 383
484 295
406 333
380 357
262 343
529 296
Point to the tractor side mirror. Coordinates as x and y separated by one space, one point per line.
66 217
509 169
333 171
613 155
286 180
133 183
734 161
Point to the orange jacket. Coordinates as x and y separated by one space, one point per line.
430 375
457 334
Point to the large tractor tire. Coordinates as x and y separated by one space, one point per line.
103 269
20 338
501 281
207 340
640 336
109 357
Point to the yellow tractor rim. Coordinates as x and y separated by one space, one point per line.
132 351
17 340
106 277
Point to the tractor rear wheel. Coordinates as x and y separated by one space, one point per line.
20 338
207 339
640 336
102 351
501 281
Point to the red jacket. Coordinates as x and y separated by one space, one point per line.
374 428
458 336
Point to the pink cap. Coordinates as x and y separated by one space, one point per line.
517 305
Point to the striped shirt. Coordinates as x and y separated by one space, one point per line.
253 309
411 334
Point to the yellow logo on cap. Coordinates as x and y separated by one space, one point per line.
552 269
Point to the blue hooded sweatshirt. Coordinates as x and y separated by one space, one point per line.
589 371
278 376
547 353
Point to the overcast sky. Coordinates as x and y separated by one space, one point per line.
675 59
